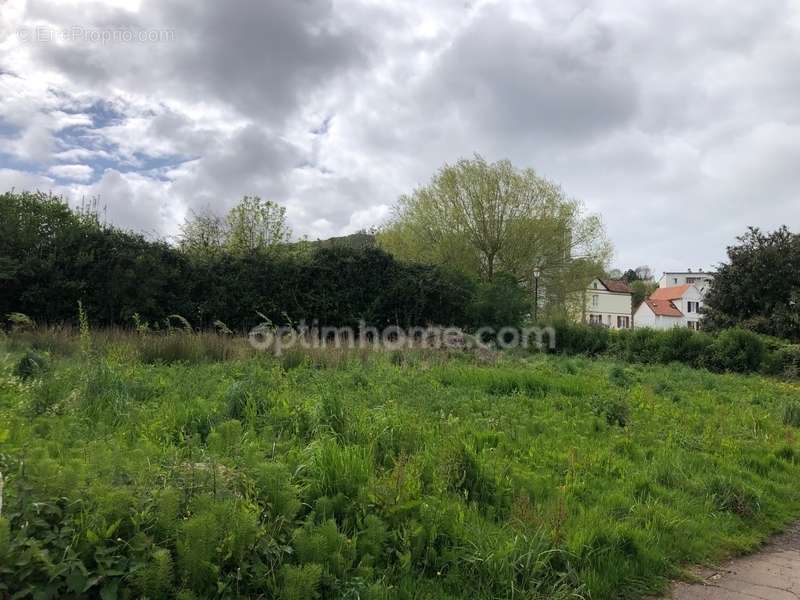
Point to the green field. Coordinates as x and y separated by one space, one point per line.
404 475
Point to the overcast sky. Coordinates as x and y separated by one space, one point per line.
677 122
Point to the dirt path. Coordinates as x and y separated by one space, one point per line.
772 573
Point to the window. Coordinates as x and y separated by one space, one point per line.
595 300
691 279
689 304
623 322
675 280
595 319
594 285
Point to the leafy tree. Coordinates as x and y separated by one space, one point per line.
203 234
641 289
483 218
630 276
759 287
256 225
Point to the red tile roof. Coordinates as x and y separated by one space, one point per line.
663 308
670 293
619 286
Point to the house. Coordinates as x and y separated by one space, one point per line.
700 279
608 302
673 306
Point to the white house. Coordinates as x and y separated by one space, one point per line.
700 279
667 307
608 302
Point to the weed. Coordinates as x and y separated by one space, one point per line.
791 414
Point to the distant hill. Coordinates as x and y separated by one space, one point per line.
361 239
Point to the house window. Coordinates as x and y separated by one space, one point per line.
691 279
623 322
595 319
595 300
594 285
689 306
675 280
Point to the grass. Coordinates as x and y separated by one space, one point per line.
192 472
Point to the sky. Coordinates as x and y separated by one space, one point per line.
678 122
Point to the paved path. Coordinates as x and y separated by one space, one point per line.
772 573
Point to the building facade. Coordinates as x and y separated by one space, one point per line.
700 279
673 306
608 302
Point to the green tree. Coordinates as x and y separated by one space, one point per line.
256 225
483 218
203 234
759 287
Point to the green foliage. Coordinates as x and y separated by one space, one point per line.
433 477
116 275
340 469
791 414
301 583
32 364
736 350
758 287
500 303
485 218
735 497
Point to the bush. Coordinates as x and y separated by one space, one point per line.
32 364
643 345
683 345
736 350
579 338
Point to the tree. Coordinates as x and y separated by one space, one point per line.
203 234
644 273
256 225
759 287
483 218
641 289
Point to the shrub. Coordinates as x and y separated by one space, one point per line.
643 345
618 376
736 350
32 364
579 338
683 345
614 410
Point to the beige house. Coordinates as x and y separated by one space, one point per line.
608 302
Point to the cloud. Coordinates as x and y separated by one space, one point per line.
677 122
72 172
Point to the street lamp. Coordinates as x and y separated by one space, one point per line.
536 273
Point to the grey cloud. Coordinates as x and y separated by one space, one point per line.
262 58
677 121
508 78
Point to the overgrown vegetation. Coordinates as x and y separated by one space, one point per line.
371 475
51 258
732 350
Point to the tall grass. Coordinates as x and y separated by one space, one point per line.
178 464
